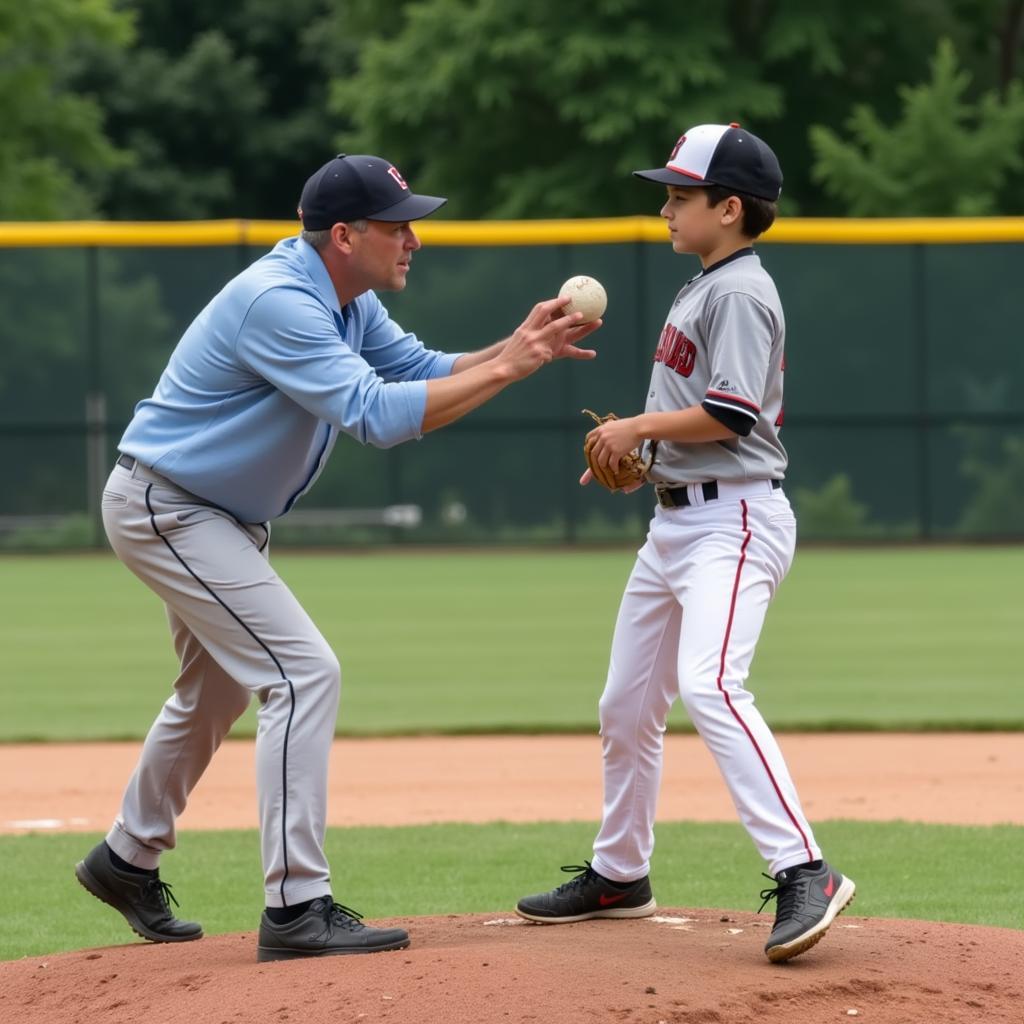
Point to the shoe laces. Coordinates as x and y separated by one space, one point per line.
785 895
159 893
336 915
584 875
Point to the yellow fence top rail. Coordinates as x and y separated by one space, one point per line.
805 231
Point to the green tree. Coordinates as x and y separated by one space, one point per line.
946 155
524 108
513 107
521 108
222 107
52 146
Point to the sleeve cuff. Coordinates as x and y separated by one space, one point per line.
445 362
417 397
738 422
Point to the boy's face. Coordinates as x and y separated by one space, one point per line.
693 225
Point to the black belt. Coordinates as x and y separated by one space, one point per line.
679 497
127 461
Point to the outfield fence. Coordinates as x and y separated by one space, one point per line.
904 377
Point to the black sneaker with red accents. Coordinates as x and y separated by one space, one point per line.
588 895
808 900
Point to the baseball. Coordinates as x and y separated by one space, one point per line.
585 296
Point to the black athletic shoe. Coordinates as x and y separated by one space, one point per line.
141 899
588 895
326 929
808 902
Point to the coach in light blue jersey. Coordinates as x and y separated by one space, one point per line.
292 352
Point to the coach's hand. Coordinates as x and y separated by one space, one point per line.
545 335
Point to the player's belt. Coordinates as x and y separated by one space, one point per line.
140 471
679 497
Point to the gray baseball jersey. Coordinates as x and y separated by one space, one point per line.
722 347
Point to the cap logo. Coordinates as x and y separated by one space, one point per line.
722 155
393 171
696 150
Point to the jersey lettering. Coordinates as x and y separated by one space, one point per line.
723 339
676 351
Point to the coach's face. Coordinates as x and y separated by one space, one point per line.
382 254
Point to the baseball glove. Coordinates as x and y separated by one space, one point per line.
632 468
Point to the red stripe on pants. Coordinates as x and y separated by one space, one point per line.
728 700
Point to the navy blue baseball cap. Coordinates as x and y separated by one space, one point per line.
350 188
721 154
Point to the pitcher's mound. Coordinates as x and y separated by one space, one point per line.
679 966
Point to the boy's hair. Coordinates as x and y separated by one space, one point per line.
758 214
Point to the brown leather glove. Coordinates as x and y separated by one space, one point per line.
632 468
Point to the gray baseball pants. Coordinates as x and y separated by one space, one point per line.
239 632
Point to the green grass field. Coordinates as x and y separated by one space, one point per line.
874 638
930 872
915 638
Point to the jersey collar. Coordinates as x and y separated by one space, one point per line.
748 251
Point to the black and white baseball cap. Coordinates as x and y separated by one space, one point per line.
721 154
351 188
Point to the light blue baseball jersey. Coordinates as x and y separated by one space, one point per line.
258 387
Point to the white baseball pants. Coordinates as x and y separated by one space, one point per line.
688 624
239 632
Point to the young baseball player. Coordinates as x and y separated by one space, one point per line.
719 545
293 352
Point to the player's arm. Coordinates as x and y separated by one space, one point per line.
740 333
688 426
694 425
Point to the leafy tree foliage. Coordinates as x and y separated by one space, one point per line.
52 146
516 108
221 106
945 155
522 108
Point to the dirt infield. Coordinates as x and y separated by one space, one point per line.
968 779
679 967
